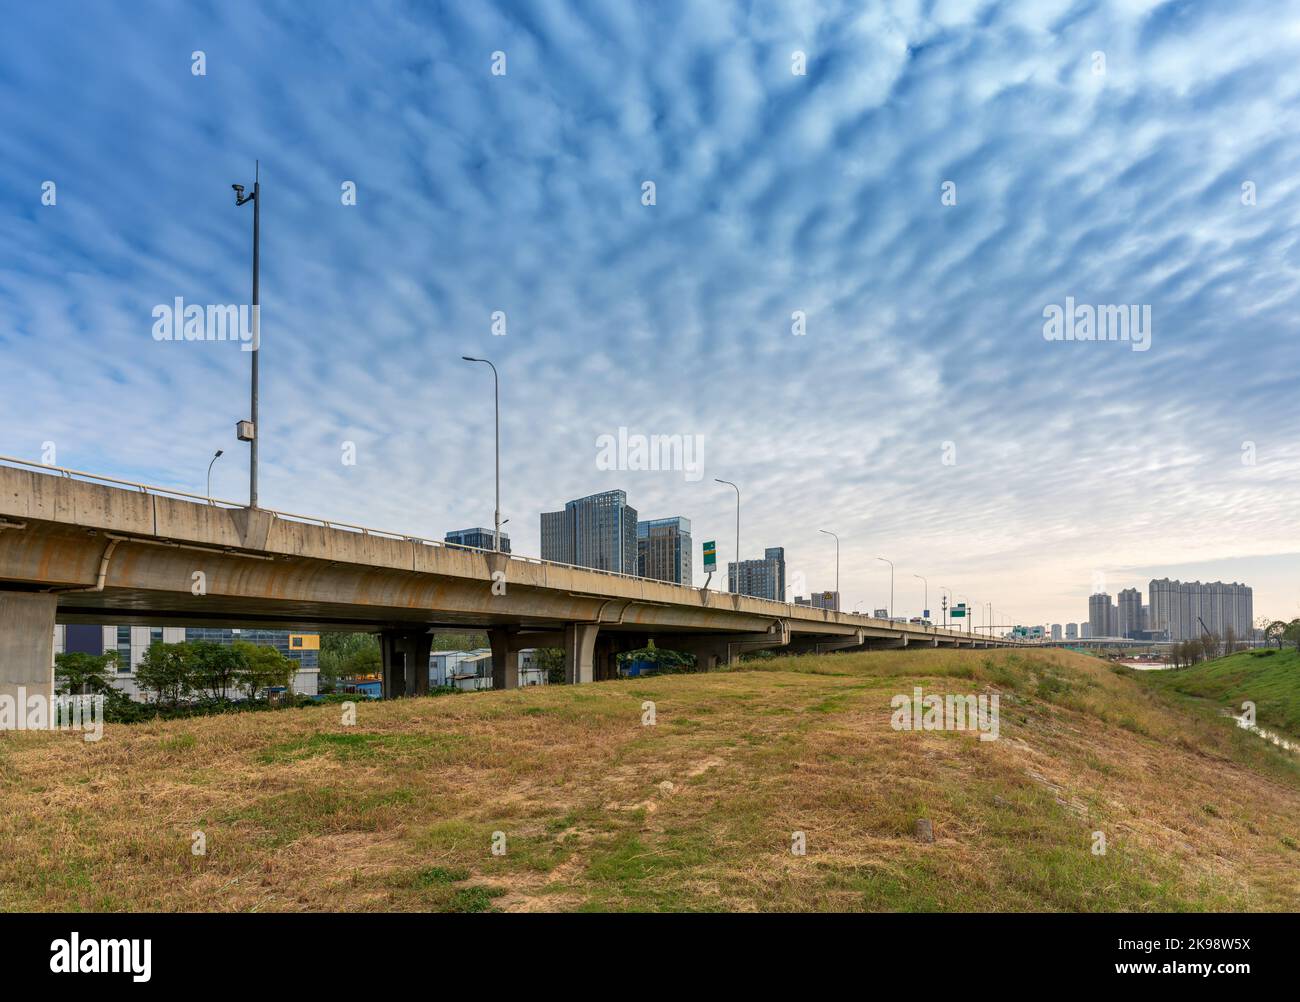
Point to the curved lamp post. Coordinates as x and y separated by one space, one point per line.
217 456
730 484
891 586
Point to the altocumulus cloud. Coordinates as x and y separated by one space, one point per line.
775 193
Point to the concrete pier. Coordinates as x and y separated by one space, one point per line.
405 658
27 643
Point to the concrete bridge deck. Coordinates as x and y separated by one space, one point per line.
76 551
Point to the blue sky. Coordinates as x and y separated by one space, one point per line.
775 192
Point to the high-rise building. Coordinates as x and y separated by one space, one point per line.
1085 631
664 549
760 578
597 531
1056 631
820 600
1102 615
1130 613
1071 631
557 537
1178 608
479 539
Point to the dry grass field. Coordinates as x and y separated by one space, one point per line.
600 812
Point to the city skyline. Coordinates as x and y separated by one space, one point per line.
523 194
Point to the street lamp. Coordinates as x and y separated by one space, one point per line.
252 433
942 589
837 567
730 484
926 607
213 460
968 611
496 405
891 585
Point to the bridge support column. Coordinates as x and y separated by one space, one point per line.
579 652
605 658
608 647
505 660
709 653
711 656
404 656
27 644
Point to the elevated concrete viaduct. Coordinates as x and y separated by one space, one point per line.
74 551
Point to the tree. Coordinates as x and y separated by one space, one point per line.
80 674
165 671
552 659
1275 631
1188 653
1292 633
347 654
264 667
366 661
215 667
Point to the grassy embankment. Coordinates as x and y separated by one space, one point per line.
1271 680
696 812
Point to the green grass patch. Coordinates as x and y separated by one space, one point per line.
360 746
1271 682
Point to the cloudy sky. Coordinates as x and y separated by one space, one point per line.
940 174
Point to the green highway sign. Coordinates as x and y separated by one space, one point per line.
958 611
711 555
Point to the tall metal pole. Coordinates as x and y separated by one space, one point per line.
496 414
256 432
837 567
927 593
496 406
968 612
257 330
730 484
891 586
942 589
